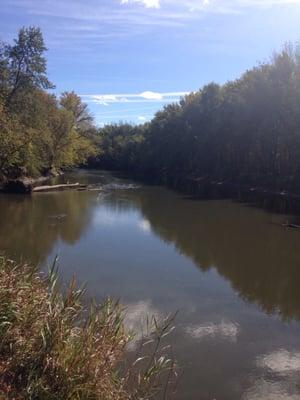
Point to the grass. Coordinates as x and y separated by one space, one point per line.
52 347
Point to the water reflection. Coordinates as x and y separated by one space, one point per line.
247 246
137 320
30 226
266 390
279 370
225 330
232 272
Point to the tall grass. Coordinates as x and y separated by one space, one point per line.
52 347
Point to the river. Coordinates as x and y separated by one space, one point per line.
232 271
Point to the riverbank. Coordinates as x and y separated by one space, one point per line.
54 347
279 197
270 197
274 197
22 185
25 184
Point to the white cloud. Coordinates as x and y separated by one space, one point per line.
146 3
151 96
147 96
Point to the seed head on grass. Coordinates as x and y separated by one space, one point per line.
52 348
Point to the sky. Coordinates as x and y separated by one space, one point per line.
129 58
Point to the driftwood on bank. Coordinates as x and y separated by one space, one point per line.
51 188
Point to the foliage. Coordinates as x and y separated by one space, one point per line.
118 146
51 347
39 133
25 63
81 118
11 141
247 130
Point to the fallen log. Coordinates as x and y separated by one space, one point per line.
293 226
52 188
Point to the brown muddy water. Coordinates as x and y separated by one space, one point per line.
232 272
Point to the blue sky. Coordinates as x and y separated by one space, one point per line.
127 58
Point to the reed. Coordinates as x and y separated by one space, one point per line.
54 347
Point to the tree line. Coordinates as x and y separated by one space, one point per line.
244 131
39 132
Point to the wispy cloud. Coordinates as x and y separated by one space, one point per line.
135 12
144 97
107 20
105 47
146 3
221 6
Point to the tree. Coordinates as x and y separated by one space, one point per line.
82 119
10 144
38 132
246 131
68 144
24 64
3 68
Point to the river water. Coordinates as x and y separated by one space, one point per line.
232 272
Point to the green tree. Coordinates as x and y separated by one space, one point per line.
82 119
38 132
246 131
11 142
24 64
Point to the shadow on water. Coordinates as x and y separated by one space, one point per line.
144 244
248 247
31 225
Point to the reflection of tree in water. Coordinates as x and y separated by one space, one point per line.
117 202
247 246
260 259
31 225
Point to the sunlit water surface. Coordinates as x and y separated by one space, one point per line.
232 272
